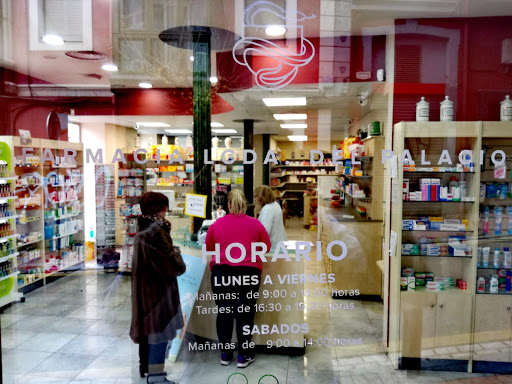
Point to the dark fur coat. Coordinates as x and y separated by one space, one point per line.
156 310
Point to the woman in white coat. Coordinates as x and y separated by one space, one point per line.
271 215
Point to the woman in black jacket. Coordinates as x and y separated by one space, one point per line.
156 310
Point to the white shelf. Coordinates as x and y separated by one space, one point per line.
63 202
63 185
4 200
64 217
30 242
5 219
66 235
9 276
5 258
6 238
4 180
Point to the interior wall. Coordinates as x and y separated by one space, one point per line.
93 138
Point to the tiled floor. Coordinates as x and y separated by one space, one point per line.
75 331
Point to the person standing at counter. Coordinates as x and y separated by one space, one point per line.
236 227
156 309
271 215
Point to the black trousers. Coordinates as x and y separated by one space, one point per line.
152 357
225 321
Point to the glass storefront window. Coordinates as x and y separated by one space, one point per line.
255 191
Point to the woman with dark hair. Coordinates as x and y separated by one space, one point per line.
156 310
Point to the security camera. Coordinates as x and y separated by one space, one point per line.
363 98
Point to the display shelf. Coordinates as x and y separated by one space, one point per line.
9 276
444 256
29 243
65 235
303 166
426 141
63 166
356 177
68 216
365 199
5 258
427 172
63 201
448 290
62 185
63 269
434 230
7 218
438 201
501 291
7 238
498 202
4 180
29 263
4 200
30 282
31 207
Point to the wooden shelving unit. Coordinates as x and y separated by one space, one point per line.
468 329
35 185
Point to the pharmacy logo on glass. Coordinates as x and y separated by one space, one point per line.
284 62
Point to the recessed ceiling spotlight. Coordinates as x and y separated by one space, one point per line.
110 67
178 131
216 125
284 101
145 85
275 30
53 40
153 124
214 80
294 126
290 116
298 138
191 58
225 130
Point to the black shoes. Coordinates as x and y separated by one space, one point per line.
159 378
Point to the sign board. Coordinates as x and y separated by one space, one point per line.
188 286
195 205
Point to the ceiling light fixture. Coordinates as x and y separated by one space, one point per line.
294 126
275 30
178 131
153 124
284 101
110 67
298 138
225 130
290 116
145 85
214 80
53 40
214 124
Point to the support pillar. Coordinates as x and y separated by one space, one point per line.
202 102
249 168
266 167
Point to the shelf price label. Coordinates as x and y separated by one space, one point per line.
195 205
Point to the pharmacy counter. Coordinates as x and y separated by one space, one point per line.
357 275
283 305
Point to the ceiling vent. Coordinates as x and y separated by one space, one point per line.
69 19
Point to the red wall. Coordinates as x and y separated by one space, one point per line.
460 58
